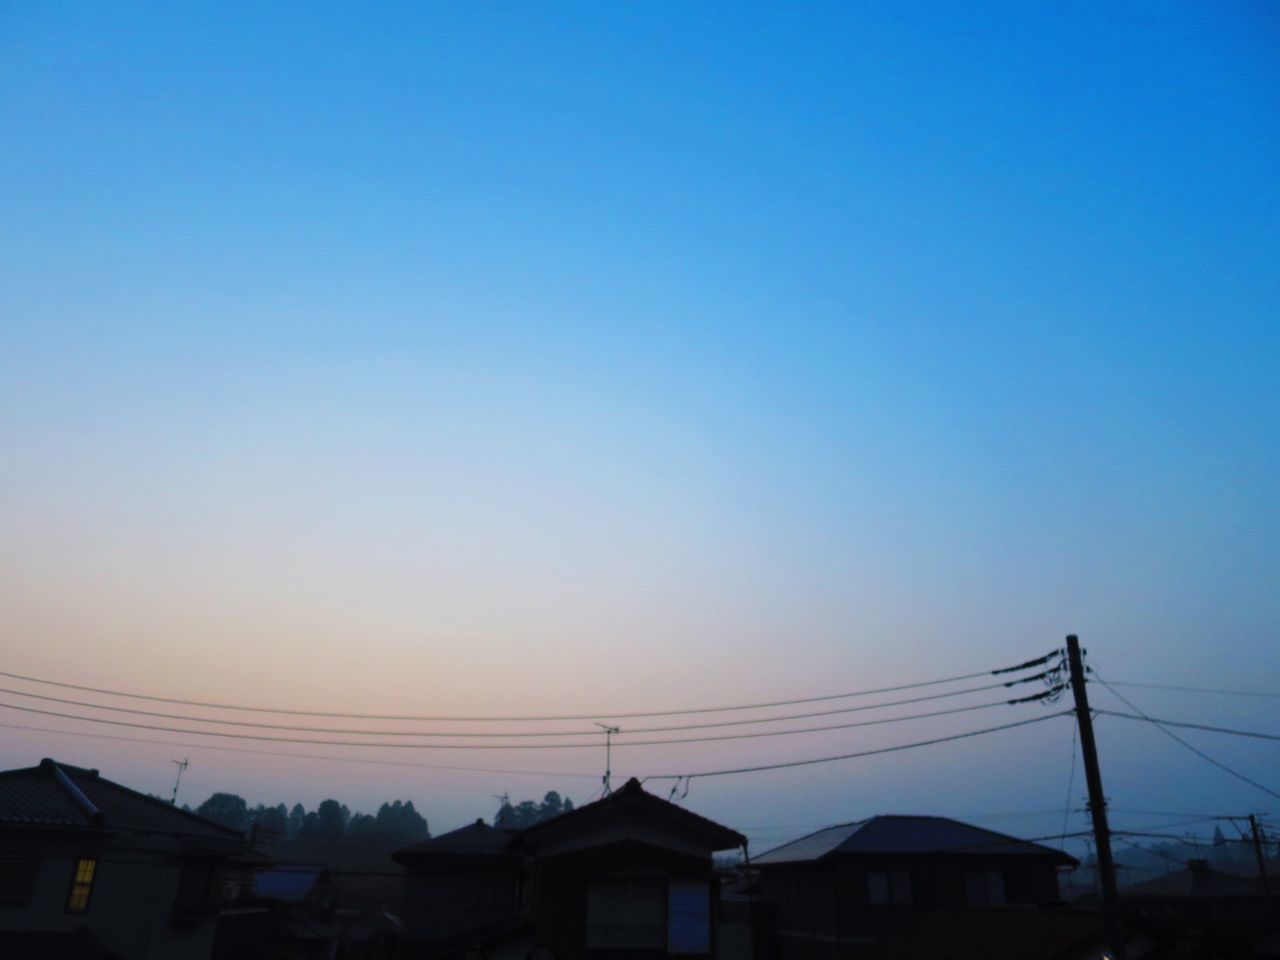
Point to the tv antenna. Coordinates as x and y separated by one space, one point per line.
608 753
181 765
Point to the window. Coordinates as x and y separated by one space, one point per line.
627 912
889 888
984 886
82 885
689 916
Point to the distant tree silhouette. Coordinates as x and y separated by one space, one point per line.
296 818
396 822
270 820
527 813
227 809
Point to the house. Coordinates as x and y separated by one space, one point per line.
292 912
91 868
836 891
1209 912
459 885
628 875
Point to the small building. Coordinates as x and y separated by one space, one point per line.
92 864
847 886
459 885
629 875
1225 912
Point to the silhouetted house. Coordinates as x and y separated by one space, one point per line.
300 911
90 862
629 876
835 891
459 885
1216 913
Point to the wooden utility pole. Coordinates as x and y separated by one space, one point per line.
1097 802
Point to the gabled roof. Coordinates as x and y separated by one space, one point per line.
632 796
60 795
475 840
906 835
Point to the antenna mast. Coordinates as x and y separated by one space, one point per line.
181 765
608 754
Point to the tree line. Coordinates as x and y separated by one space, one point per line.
395 821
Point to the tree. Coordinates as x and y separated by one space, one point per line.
227 809
331 820
527 813
297 816
271 820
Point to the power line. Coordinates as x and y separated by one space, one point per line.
851 756
475 719
1173 736
503 733
1071 780
1187 725
1182 689
500 746
303 756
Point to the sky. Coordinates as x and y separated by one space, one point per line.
589 358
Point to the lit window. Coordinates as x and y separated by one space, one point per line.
82 885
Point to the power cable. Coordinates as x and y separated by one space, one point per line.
1071 780
304 756
1182 689
1173 736
863 753
1187 725
475 719
505 746
503 733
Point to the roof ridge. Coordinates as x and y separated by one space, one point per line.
137 795
87 806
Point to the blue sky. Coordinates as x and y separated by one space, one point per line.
666 353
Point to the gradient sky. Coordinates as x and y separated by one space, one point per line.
540 358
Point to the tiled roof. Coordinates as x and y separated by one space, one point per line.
474 840
905 835
58 794
28 796
633 794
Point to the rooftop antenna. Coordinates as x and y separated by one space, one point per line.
181 765
608 754
504 801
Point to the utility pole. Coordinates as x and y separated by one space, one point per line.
608 753
181 765
1097 802
1262 860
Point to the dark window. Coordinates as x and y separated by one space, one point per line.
889 888
627 912
17 879
86 869
984 886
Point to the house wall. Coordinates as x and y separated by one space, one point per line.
822 910
443 901
558 892
131 908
